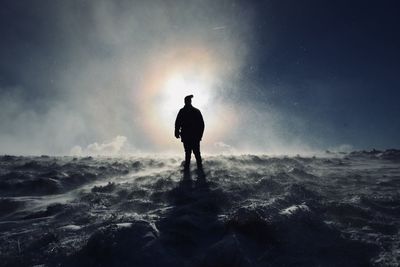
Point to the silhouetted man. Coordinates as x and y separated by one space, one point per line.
189 126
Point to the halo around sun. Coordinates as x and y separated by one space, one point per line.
166 82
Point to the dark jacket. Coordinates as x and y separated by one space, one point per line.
189 124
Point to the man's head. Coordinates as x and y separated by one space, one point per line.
188 100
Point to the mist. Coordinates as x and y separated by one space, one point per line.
92 76
82 74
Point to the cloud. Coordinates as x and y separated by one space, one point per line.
342 148
223 148
98 73
115 147
112 60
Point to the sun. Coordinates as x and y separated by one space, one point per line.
176 87
167 80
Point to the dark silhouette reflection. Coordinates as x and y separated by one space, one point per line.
191 224
188 184
201 176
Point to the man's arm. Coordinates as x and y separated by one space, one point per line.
201 125
178 124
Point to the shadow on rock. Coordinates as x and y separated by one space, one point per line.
125 244
191 224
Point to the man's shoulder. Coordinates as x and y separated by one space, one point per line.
182 110
196 109
189 110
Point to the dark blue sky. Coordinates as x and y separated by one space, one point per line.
335 63
330 69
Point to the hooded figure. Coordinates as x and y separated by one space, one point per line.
189 126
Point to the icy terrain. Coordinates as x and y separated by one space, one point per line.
330 210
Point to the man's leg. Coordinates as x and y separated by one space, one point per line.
196 152
188 152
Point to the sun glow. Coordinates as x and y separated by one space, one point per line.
176 87
167 82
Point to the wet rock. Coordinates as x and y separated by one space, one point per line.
250 223
104 189
226 252
119 245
